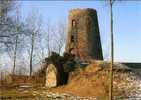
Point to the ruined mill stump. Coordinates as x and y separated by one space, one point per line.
83 34
83 43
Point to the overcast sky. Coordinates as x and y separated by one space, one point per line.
127 23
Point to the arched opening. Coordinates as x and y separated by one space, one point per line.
73 34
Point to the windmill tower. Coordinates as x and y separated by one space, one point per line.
83 35
83 41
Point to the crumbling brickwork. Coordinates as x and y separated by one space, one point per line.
83 34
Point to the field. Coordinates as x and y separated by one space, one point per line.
92 79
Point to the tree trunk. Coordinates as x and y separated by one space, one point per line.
48 45
31 53
16 42
15 53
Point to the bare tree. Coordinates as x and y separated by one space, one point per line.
59 34
48 38
7 25
16 41
34 25
5 21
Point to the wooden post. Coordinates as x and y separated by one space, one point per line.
111 52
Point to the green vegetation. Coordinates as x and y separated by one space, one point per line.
67 61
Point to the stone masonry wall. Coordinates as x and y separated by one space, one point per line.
87 37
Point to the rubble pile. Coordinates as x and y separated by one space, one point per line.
127 84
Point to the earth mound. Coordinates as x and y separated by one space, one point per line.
93 80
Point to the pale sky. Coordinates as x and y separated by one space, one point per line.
127 23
